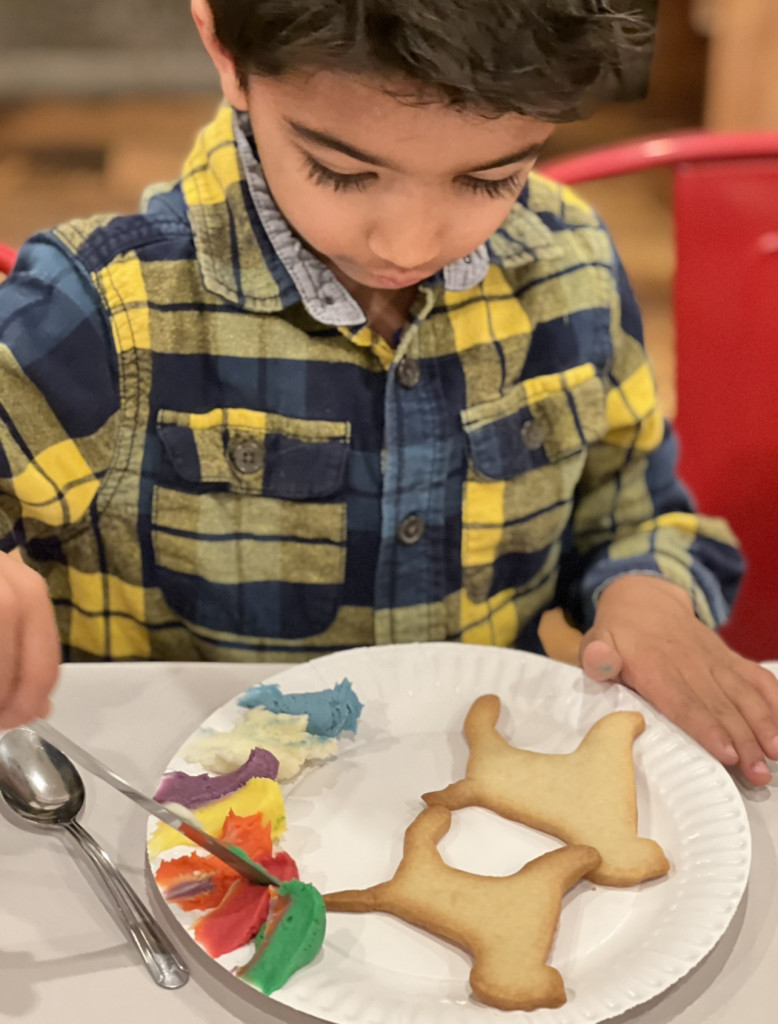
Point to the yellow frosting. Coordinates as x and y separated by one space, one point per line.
258 795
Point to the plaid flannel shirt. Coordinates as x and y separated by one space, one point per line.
202 469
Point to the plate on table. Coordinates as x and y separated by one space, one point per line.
615 948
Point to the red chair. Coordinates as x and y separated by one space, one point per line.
726 317
7 259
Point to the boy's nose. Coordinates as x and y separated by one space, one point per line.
407 246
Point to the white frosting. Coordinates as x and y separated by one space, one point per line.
285 736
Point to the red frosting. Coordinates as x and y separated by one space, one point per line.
242 912
195 882
235 921
237 909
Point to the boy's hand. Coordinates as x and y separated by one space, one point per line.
29 644
646 635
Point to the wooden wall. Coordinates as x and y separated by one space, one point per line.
742 86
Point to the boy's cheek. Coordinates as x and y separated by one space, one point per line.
330 232
329 238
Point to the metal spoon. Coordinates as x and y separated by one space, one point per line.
42 785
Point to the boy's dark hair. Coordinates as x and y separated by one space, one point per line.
551 59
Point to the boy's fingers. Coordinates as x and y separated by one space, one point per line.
39 666
754 677
678 702
709 732
40 655
755 769
599 658
712 719
9 661
751 755
754 706
30 644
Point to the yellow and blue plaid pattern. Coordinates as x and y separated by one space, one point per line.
200 469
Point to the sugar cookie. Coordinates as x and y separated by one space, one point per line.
506 924
585 797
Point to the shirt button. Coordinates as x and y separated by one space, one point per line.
533 435
467 259
246 456
411 529
408 372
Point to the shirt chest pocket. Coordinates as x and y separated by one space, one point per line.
249 521
526 454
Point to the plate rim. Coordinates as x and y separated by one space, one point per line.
298 678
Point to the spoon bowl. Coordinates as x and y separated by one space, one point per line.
38 781
43 786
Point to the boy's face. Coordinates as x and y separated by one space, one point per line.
386 192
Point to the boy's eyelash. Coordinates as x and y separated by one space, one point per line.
494 189
338 182
358 182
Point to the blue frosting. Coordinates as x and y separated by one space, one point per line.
330 712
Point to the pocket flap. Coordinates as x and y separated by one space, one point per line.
251 452
541 420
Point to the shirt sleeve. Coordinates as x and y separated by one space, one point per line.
633 515
59 394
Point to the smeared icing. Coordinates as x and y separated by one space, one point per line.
258 795
285 736
242 911
194 882
195 790
278 734
330 712
290 939
199 882
236 909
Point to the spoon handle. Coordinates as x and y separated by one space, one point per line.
160 958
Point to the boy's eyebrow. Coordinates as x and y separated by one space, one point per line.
331 142
527 153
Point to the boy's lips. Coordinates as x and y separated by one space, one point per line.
385 280
385 277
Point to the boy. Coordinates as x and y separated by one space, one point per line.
358 379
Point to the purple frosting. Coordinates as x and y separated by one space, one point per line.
185 890
195 790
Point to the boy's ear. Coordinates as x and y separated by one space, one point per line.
233 91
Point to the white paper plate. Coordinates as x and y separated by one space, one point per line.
615 948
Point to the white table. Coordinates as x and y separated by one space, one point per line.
63 959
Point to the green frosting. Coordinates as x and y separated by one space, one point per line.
293 943
244 856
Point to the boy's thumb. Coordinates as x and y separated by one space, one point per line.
599 658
